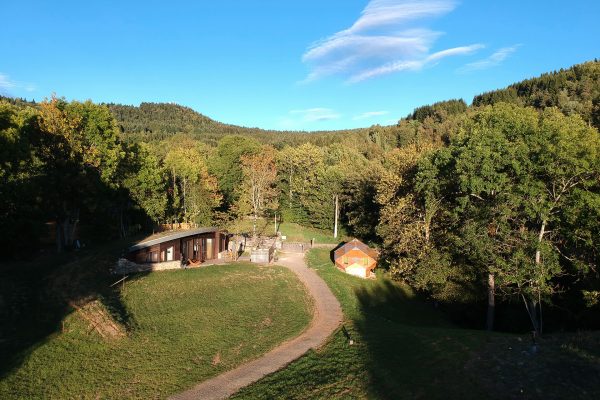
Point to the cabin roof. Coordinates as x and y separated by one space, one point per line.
356 244
168 236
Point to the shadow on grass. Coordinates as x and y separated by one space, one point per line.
410 349
37 295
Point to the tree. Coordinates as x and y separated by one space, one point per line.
194 190
146 182
80 148
20 171
512 171
258 191
226 164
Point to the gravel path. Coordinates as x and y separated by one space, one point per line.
327 317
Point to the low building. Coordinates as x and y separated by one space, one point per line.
356 258
170 250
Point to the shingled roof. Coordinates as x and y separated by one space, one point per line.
172 236
356 244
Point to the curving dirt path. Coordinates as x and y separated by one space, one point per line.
326 318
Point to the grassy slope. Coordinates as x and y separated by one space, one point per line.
404 348
293 232
185 326
298 233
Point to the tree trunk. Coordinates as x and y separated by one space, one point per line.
290 194
121 222
491 302
254 228
185 213
533 304
335 225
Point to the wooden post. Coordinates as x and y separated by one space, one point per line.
335 225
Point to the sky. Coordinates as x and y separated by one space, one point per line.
288 64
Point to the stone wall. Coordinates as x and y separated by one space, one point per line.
125 266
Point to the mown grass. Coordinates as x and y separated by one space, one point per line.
183 327
404 348
293 232
264 226
298 233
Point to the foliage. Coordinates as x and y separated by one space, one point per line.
502 202
194 192
258 191
438 111
575 90
150 122
226 164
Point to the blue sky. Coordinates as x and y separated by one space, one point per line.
293 64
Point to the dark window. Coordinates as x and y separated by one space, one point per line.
152 256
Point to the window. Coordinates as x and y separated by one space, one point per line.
365 261
345 260
152 256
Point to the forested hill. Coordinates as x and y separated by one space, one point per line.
158 121
575 90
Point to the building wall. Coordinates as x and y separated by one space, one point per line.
354 257
219 243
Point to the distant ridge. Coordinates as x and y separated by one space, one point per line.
157 121
575 90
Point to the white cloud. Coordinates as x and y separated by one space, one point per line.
316 114
491 61
301 119
369 114
397 66
382 41
7 84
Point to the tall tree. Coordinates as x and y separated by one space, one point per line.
82 153
258 192
226 164
194 190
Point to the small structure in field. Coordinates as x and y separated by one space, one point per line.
171 250
356 258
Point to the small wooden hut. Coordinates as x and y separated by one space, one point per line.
356 258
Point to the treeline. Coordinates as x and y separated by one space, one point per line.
491 204
575 90
158 121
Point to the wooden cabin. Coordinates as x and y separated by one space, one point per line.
196 245
356 258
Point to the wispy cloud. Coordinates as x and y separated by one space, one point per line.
493 60
7 84
369 114
301 119
415 65
383 40
316 114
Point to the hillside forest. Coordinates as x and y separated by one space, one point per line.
484 207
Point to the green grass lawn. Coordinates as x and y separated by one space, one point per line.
299 233
404 348
264 226
293 232
182 327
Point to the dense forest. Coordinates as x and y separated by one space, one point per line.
158 121
493 203
573 91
